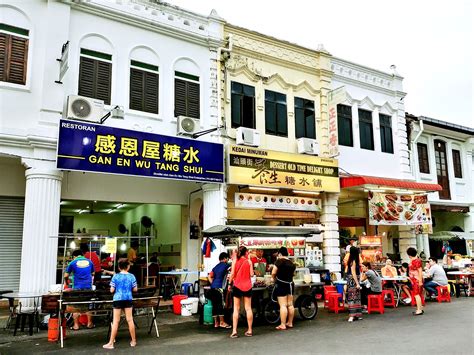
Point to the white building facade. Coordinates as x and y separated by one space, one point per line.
443 153
116 51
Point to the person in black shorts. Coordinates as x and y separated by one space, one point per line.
282 273
122 285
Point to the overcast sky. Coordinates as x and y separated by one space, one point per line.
430 41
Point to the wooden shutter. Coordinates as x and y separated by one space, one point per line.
136 89
13 58
95 79
179 98
150 100
193 99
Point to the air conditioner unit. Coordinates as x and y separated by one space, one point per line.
247 136
187 126
307 146
84 108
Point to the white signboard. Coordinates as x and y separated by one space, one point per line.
277 202
334 97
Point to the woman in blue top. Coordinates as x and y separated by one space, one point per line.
217 278
122 285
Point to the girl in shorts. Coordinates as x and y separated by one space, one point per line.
122 285
282 273
242 271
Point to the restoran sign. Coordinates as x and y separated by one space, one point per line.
101 149
258 167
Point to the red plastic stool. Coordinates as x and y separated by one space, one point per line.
326 298
413 302
443 294
335 300
326 290
388 298
375 304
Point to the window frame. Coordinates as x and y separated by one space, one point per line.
12 32
306 118
342 120
241 100
385 132
457 163
365 122
279 104
423 158
144 68
98 57
188 79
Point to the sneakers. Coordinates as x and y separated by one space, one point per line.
407 300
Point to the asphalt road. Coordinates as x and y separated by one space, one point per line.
445 328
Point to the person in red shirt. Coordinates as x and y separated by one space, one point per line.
92 256
415 273
259 263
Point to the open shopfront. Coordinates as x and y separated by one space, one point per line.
300 241
387 215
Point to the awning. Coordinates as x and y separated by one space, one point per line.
371 181
447 235
244 230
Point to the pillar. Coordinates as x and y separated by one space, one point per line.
329 218
40 224
426 245
215 213
407 239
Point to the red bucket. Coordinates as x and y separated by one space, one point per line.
53 331
177 303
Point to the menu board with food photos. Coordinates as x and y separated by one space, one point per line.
395 209
274 243
277 202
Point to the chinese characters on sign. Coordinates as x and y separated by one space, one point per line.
273 243
334 97
258 167
96 148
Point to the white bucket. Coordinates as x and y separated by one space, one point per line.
186 307
315 278
195 301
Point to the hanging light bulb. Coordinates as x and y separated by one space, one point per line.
95 238
72 245
123 247
103 248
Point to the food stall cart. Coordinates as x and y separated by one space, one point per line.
271 238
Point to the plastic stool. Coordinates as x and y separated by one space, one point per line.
186 288
443 294
326 290
391 298
334 302
326 298
375 304
413 302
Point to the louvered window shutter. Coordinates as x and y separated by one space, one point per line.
180 107
193 99
136 89
151 90
95 79
13 58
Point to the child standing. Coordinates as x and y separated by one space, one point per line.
122 285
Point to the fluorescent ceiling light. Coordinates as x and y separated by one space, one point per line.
306 192
269 189
110 211
120 205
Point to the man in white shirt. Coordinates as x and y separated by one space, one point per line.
436 272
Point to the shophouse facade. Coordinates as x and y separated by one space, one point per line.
156 62
442 153
274 101
374 155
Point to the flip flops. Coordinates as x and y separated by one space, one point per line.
280 328
108 347
74 329
234 335
227 326
248 334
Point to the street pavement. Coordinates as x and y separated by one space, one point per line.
445 328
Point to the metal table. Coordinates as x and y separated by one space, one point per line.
177 281
396 286
11 296
458 275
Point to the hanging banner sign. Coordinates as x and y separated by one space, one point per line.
110 246
393 209
334 97
276 202
272 243
259 167
102 149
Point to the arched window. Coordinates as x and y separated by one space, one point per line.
144 80
186 89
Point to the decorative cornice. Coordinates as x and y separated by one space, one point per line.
162 18
368 101
28 141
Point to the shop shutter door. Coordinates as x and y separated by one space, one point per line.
11 233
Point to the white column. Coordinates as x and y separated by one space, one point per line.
407 239
426 245
41 221
330 220
215 213
214 204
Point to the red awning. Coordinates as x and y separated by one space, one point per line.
360 180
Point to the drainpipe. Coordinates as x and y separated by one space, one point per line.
220 50
413 171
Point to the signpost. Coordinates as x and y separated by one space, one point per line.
335 97
63 62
